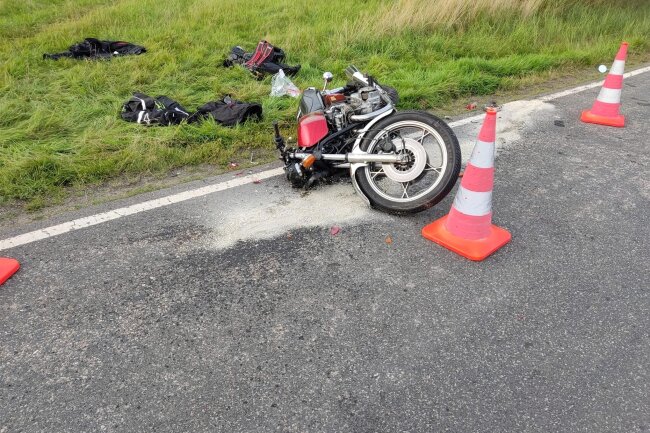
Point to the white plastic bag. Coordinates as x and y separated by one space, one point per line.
281 85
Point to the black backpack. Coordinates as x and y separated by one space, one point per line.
161 110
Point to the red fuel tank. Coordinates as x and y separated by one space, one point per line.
311 129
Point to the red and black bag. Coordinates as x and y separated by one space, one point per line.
266 59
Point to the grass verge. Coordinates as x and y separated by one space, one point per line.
59 123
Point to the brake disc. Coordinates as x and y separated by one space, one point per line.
413 167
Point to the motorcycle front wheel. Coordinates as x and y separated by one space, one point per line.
428 173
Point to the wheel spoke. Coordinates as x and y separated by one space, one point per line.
374 174
405 185
429 167
424 134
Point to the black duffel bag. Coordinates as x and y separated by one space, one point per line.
228 111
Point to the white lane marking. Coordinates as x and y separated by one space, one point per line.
553 96
573 91
92 220
133 209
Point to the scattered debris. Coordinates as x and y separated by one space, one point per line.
335 230
559 123
281 85
388 240
162 110
233 165
257 181
472 106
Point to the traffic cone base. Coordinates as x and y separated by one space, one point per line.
476 250
8 267
589 117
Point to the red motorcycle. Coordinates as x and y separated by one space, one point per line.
399 161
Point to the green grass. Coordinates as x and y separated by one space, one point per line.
59 122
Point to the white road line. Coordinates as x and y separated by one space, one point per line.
553 96
92 220
133 209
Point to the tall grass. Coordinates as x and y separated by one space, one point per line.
423 14
458 14
59 122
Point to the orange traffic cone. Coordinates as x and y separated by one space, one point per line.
467 229
608 103
8 267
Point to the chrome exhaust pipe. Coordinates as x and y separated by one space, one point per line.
355 158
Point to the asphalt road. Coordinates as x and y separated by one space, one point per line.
240 312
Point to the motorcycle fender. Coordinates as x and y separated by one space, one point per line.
353 169
366 128
357 149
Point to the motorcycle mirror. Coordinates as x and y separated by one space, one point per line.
328 77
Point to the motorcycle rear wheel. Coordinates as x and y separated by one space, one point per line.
431 171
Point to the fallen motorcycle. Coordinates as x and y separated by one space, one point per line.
399 161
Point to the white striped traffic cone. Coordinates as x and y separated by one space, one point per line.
605 110
467 229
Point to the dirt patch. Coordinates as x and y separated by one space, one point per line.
330 205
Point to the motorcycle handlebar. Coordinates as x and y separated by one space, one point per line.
279 141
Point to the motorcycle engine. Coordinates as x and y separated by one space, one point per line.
364 101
